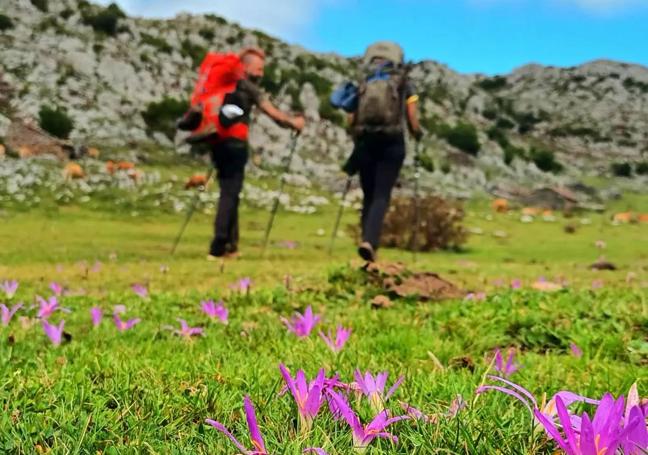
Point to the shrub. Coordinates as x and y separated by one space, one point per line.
40 5
5 23
66 13
464 137
426 162
194 51
511 152
162 116
207 34
545 160
157 43
621 169
505 123
493 83
328 112
270 82
497 135
642 168
106 20
56 122
439 224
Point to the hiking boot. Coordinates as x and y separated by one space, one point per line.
232 255
367 252
212 258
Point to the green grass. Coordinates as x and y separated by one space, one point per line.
146 391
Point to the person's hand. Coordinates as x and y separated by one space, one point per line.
298 123
418 134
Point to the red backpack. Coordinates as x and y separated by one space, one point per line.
217 77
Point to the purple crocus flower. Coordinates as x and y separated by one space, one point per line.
476 297
363 435
244 285
316 450
9 288
603 434
456 406
309 397
510 367
255 433
516 284
47 307
416 414
119 309
341 337
215 310
186 331
122 326
56 288
575 350
140 290
548 409
53 332
374 388
302 325
8 313
96 314
96 268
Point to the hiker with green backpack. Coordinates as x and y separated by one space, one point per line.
379 108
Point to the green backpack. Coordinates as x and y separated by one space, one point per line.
381 90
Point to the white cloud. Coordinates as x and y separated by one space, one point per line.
285 18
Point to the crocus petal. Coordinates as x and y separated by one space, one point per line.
316 450
393 388
255 433
220 427
348 415
634 437
517 387
565 420
510 392
551 429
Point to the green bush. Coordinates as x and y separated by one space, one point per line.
194 51
464 137
56 122
642 168
545 160
511 152
426 162
621 169
66 13
157 43
328 112
505 123
106 20
207 34
493 83
5 23
271 82
162 116
497 135
41 5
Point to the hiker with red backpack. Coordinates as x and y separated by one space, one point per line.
226 92
378 108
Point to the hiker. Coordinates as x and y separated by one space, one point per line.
385 98
229 140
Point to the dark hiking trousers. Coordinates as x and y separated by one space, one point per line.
380 159
230 158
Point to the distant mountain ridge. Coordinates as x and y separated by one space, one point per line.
106 70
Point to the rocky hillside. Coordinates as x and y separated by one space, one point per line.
123 80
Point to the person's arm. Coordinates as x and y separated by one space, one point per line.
413 117
283 119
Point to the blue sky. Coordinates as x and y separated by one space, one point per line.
488 36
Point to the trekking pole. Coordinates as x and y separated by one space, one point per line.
191 211
417 210
275 205
347 188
